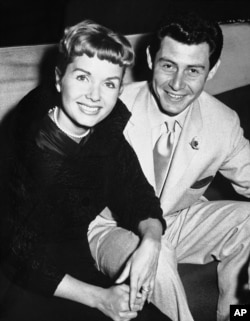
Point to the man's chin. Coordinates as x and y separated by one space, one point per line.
170 110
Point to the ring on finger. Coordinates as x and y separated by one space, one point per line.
145 288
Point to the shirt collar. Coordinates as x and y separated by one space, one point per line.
157 118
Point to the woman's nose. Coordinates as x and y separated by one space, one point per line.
94 93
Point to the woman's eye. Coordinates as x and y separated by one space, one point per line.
81 77
110 85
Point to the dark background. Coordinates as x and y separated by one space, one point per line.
25 22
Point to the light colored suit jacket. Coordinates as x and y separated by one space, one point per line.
211 141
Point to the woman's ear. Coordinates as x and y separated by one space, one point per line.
149 59
58 79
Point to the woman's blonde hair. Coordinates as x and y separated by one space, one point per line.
90 38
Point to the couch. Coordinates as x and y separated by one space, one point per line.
23 68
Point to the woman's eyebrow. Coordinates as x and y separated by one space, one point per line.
82 70
113 78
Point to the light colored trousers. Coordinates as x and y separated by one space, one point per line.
207 231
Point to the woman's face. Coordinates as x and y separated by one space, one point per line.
89 90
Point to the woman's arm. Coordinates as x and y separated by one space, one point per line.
141 212
132 199
113 302
142 265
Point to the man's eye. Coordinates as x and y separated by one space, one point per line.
167 66
81 77
194 71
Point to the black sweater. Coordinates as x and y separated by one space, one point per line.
52 188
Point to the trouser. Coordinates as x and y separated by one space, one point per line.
207 231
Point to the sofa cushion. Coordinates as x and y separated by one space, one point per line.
239 100
200 284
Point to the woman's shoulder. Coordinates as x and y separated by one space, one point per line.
118 118
29 111
37 102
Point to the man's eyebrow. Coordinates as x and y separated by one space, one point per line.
164 59
197 66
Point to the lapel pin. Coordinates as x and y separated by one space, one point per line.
195 143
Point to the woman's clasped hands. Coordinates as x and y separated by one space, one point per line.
114 303
141 269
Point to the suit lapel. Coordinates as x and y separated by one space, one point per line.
187 148
138 133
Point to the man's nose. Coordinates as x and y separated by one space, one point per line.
178 81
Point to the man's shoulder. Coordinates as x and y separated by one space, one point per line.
134 86
210 105
130 92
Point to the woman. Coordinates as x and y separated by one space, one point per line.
65 160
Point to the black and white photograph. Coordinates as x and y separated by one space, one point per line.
124 160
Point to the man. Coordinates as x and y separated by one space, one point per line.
201 136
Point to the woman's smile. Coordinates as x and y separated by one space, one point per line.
89 110
89 90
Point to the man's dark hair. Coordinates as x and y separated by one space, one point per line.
190 29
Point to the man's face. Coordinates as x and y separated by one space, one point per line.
180 72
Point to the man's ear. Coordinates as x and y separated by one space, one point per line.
149 59
58 79
121 89
213 71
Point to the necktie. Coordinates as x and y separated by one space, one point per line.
162 156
